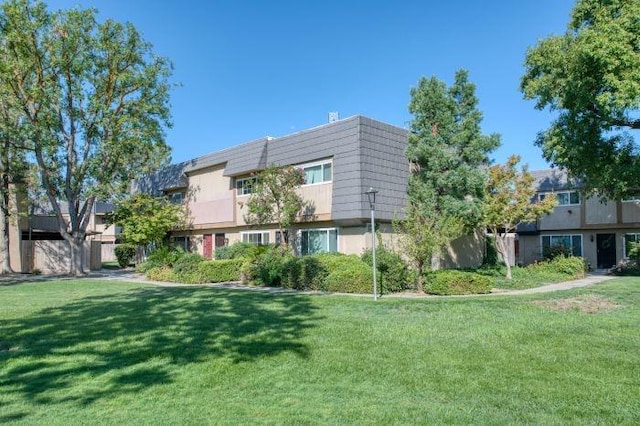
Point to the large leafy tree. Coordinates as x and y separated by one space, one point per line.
590 76
274 199
146 219
448 155
94 104
509 201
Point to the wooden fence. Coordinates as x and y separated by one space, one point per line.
54 256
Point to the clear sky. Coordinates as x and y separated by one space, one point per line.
249 68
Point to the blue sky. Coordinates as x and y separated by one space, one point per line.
249 69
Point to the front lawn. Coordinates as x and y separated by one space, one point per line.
73 352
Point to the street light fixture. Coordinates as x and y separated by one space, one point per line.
371 195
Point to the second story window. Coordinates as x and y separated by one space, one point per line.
565 198
317 172
245 186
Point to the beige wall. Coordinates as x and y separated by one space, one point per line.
597 212
465 252
319 197
562 217
207 183
630 211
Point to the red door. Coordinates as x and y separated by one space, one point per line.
207 246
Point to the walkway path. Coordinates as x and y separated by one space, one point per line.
120 275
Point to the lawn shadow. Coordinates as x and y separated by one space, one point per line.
103 346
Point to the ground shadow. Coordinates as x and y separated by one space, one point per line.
133 340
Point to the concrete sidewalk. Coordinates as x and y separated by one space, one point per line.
130 275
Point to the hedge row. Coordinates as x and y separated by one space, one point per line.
453 282
205 271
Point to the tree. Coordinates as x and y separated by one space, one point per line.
274 199
146 219
448 155
423 235
94 106
590 76
13 167
508 202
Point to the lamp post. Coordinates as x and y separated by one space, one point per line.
371 195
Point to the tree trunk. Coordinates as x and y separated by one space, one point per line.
5 249
501 248
420 280
77 262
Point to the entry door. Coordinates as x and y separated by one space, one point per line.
606 250
207 246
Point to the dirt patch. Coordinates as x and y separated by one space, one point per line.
590 304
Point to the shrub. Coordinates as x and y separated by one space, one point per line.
217 271
125 253
491 254
449 282
240 250
352 276
234 251
161 256
267 267
187 263
161 273
393 272
574 267
558 250
304 273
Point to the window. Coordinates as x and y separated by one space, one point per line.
317 172
565 198
629 241
245 186
571 243
258 238
314 241
176 197
182 242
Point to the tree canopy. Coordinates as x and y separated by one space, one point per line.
448 155
509 201
590 76
94 103
146 219
275 200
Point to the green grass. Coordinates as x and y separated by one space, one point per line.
73 352
113 264
523 277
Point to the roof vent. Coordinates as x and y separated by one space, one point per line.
334 116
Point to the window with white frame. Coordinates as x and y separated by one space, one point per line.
630 240
565 198
318 172
314 241
571 243
245 186
260 238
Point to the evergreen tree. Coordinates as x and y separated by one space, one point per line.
448 155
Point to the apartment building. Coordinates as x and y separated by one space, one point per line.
600 231
341 161
35 242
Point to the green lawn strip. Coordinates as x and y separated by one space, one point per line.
125 353
523 278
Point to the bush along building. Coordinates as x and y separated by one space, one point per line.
600 231
341 160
